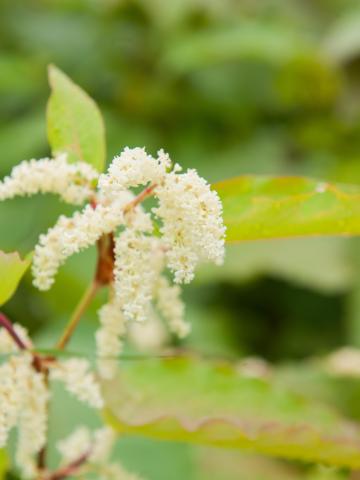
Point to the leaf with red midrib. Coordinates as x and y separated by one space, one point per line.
188 399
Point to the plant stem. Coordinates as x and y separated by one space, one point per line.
41 458
147 192
70 469
83 304
6 323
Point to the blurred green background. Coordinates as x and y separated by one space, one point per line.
226 86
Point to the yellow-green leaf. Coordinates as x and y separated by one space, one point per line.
187 399
12 268
263 207
4 464
74 122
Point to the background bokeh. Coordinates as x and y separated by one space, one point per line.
228 87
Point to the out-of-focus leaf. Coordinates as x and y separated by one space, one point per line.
262 42
319 263
4 464
12 268
343 41
263 207
191 400
75 124
228 464
326 473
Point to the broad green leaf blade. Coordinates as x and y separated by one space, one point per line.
263 207
186 399
12 268
74 122
4 464
342 43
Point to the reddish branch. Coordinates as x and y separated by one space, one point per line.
70 469
147 192
105 266
5 322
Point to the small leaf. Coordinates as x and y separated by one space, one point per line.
12 268
74 122
263 207
186 399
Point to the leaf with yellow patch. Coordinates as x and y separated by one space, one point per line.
264 207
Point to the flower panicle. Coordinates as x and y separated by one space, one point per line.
183 229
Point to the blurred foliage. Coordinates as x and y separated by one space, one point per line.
229 87
226 409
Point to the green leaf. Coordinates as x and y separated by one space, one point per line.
322 264
74 122
12 268
342 43
264 207
4 464
186 399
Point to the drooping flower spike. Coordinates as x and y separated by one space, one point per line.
73 182
24 396
96 447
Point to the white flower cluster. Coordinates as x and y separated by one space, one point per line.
79 380
108 338
184 229
192 228
24 396
23 400
73 182
344 362
96 447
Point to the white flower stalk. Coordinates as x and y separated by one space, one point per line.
75 445
103 442
133 167
192 228
73 182
344 362
23 400
172 307
7 344
10 396
138 263
69 236
79 380
96 447
109 338
32 424
148 336
18 381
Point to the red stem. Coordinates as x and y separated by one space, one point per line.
5 322
70 469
